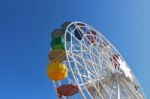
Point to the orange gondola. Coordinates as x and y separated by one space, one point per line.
58 55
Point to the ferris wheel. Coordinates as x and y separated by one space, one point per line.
85 65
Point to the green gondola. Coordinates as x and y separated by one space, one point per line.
58 43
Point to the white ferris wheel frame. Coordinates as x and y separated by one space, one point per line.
94 71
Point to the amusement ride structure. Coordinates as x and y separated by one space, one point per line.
83 64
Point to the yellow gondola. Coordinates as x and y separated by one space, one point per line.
57 71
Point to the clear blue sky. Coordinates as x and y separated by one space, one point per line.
25 32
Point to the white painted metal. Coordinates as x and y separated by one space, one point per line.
90 68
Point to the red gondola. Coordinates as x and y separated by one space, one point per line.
67 90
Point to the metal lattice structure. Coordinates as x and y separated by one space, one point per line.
91 66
